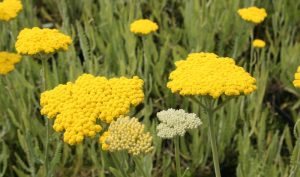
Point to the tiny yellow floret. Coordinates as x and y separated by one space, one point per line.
258 43
143 27
9 9
8 61
41 41
77 106
127 134
253 14
209 74
296 82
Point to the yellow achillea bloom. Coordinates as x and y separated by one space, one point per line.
126 134
296 82
258 43
143 27
253 14
9 9
77 106
209 74
41 41
8 61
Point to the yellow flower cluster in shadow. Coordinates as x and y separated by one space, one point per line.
8 61
253 14
77 106
127 134
9 9
296 82
143 27
41 41
209 74
258 43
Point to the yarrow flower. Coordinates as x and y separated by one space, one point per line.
41 41
209 74
9 9
253 14
176 123
126 134
296 82
8 61
258 43
77 106
143 27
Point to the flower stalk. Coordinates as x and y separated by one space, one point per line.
177 156
45 87
211 134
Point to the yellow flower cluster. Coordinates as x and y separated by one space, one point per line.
296 82
9 9
41 41
209 74
77 106
253 14
143 27
8 61
258 43
126 134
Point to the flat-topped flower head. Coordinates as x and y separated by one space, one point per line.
209 74
258 43
143 27
41 41
176 123
77 106
253 14
127 134
8 61
9 9
296 82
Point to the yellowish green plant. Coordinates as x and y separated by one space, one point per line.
42 44
175 123
210 76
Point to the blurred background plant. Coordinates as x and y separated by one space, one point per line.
255 133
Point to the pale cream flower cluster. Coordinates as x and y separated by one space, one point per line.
176 122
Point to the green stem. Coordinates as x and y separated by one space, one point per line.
146 66
118 164
296 166
139 165
211 134
177 156
45 87
252 62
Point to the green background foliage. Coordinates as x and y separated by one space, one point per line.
255 133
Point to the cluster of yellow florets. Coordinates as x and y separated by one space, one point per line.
126 134
209 74
143 27
41 41
8 61
258 43
77 106
9 9
296 82
253 14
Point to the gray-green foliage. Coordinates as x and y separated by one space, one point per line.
253 132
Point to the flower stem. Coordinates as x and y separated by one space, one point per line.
146 66
117 163
213 143
45 87
177 156
139 165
